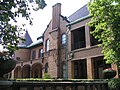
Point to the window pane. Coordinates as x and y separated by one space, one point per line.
40 52
47 45
33 55
64 71
63 39
46 68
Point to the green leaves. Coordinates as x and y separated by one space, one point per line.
105 18
10 35
41 3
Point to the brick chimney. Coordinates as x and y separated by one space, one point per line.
56 11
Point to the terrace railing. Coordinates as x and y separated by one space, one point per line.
54 85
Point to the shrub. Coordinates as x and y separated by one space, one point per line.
114 84
47 76
109 73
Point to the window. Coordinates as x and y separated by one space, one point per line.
17 58
78 38
93 40
40 53
33 54
47 45
64 38
64 71
46 67
36 73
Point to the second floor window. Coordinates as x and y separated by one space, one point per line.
78 38
40 53
93 40
47 45
64 38
33 54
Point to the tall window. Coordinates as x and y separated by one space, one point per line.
40 53
33 54
64 71
64 38
78 38
47 45
93 40
36 73
46 67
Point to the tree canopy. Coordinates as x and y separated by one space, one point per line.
10 34
106 20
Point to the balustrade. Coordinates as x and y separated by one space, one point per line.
54 85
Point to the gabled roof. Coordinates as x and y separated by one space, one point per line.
27 41
38 42
35 43
79 15
82 12
47 28
64 18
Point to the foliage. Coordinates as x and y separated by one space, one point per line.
106 20
114 84
109 73
10 10
47 76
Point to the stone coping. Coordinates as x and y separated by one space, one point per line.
6 83
61 80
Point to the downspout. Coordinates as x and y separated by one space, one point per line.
66 75
67 53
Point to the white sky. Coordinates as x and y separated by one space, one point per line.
42 18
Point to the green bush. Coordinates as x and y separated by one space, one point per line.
47 76
109 73
114 84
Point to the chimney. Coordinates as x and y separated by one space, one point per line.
56 11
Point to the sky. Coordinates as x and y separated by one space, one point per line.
42 18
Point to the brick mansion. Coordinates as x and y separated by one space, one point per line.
65 50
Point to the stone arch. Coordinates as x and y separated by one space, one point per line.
17 72
26 71
37 70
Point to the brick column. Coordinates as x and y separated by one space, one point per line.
90 68
87 36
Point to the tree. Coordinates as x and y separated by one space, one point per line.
106 20
10 34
